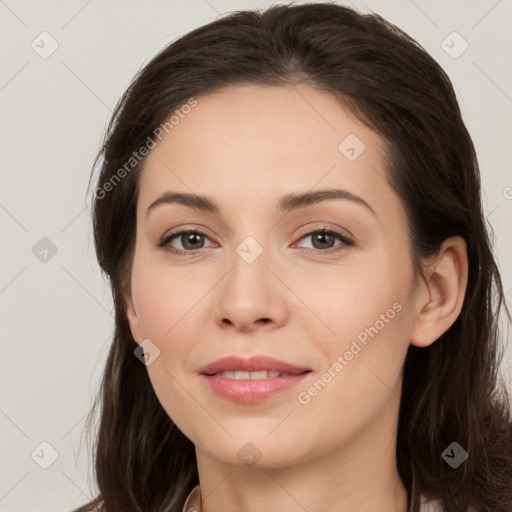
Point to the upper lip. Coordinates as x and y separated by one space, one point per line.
253 364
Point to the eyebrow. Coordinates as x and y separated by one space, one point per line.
285 204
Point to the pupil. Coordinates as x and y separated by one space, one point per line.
321 237
190 238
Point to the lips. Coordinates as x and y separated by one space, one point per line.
251 380
252 365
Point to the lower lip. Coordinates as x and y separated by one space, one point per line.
250 391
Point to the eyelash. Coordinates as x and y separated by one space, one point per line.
346 241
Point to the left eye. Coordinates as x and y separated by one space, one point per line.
321 235
191 238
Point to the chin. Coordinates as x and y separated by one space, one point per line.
254 451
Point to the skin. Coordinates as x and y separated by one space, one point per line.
244 148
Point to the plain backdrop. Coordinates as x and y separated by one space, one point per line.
56 311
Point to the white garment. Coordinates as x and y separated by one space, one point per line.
430 506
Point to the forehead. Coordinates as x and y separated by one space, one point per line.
263 142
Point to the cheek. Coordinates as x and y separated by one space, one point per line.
166 299
343 303
363 332
362 360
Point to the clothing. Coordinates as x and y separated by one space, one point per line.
430 506
193 503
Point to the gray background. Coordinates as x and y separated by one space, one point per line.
56 319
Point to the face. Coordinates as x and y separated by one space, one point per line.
324 285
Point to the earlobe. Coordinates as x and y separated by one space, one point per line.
133 320
445 289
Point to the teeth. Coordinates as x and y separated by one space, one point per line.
241 375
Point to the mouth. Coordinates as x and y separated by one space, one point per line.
254 365
242 375
251 380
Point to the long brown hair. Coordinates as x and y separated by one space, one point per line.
452 390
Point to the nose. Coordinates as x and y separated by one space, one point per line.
251 296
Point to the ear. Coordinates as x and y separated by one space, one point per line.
133 320
440 302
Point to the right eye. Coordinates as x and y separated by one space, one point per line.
188 237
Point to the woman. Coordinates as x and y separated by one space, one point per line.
250 371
